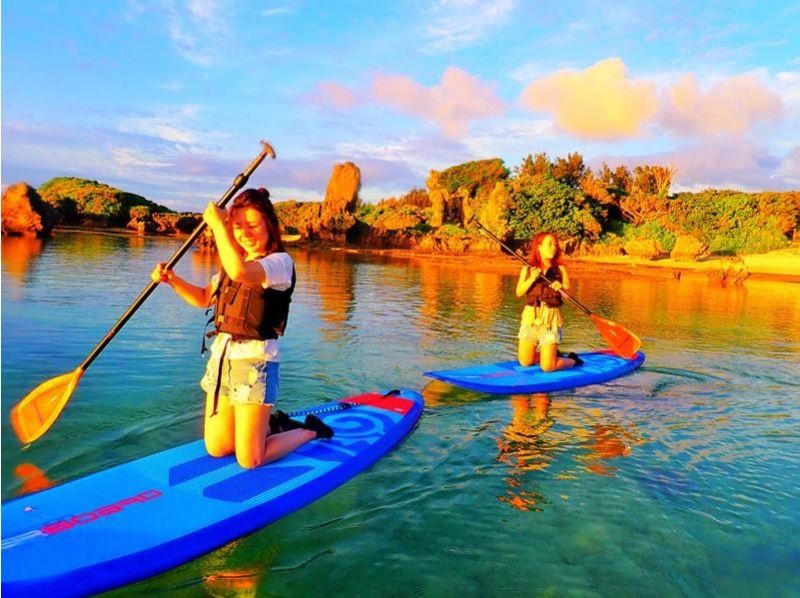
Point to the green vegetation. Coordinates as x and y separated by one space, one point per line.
611 207
80 200
473 175
598 211
415 202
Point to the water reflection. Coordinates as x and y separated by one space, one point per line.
31 478
19 255
540 435
328 278
457 301
675 309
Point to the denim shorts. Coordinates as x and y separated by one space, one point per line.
539 334
243 381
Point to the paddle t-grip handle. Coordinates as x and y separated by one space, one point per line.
239 182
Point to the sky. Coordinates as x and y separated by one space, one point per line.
170 98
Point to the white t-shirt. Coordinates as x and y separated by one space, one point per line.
278 269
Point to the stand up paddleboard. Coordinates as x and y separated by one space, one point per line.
135 520
509 377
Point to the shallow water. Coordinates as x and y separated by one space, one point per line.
681 479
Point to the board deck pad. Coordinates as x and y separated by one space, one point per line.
138 519
509 377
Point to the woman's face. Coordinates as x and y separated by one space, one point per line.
548 248
250 231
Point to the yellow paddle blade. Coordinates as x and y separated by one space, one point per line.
34 414
620 340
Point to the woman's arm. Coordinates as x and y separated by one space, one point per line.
232 260
526 278
192 294
564 280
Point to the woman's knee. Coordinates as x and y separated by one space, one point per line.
249 460
217 446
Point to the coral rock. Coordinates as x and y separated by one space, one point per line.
24 212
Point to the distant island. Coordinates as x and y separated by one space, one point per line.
606 213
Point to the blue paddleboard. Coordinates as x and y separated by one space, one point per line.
509 377
141 518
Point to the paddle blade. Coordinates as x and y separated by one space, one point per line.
40 408
620 340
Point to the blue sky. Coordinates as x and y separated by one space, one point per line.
169 98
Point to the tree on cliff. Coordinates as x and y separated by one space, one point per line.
542 203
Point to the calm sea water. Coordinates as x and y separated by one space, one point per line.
681 479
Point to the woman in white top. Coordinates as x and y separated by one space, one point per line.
242 376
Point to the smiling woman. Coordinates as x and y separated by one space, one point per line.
251 296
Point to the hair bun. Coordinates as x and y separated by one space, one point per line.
264 192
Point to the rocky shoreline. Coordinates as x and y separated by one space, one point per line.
781 265
435 223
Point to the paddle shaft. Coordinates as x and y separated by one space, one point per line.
585 309
239 182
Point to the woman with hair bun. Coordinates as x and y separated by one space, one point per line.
251 297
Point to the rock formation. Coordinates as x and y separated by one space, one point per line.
333 219
24 213
475 190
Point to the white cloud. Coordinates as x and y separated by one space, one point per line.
176 124
271 12
128 157
459 23
199 30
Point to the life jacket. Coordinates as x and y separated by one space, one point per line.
541 291
249 311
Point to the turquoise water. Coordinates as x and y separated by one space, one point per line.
681 479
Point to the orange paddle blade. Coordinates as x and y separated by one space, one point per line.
34 414
620 340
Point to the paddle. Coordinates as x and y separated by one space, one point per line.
620 340
40 408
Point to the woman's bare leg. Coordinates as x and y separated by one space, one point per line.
218 432
526 353
254 446
550 361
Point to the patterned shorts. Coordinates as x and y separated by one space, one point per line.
243 381
539 335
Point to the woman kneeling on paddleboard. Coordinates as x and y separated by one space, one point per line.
540 329
251 297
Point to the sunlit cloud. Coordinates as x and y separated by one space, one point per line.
332 94
451 105
730 107
600 102
459 23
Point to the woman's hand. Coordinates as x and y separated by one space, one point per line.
533 272
215 217
556 285
161 274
